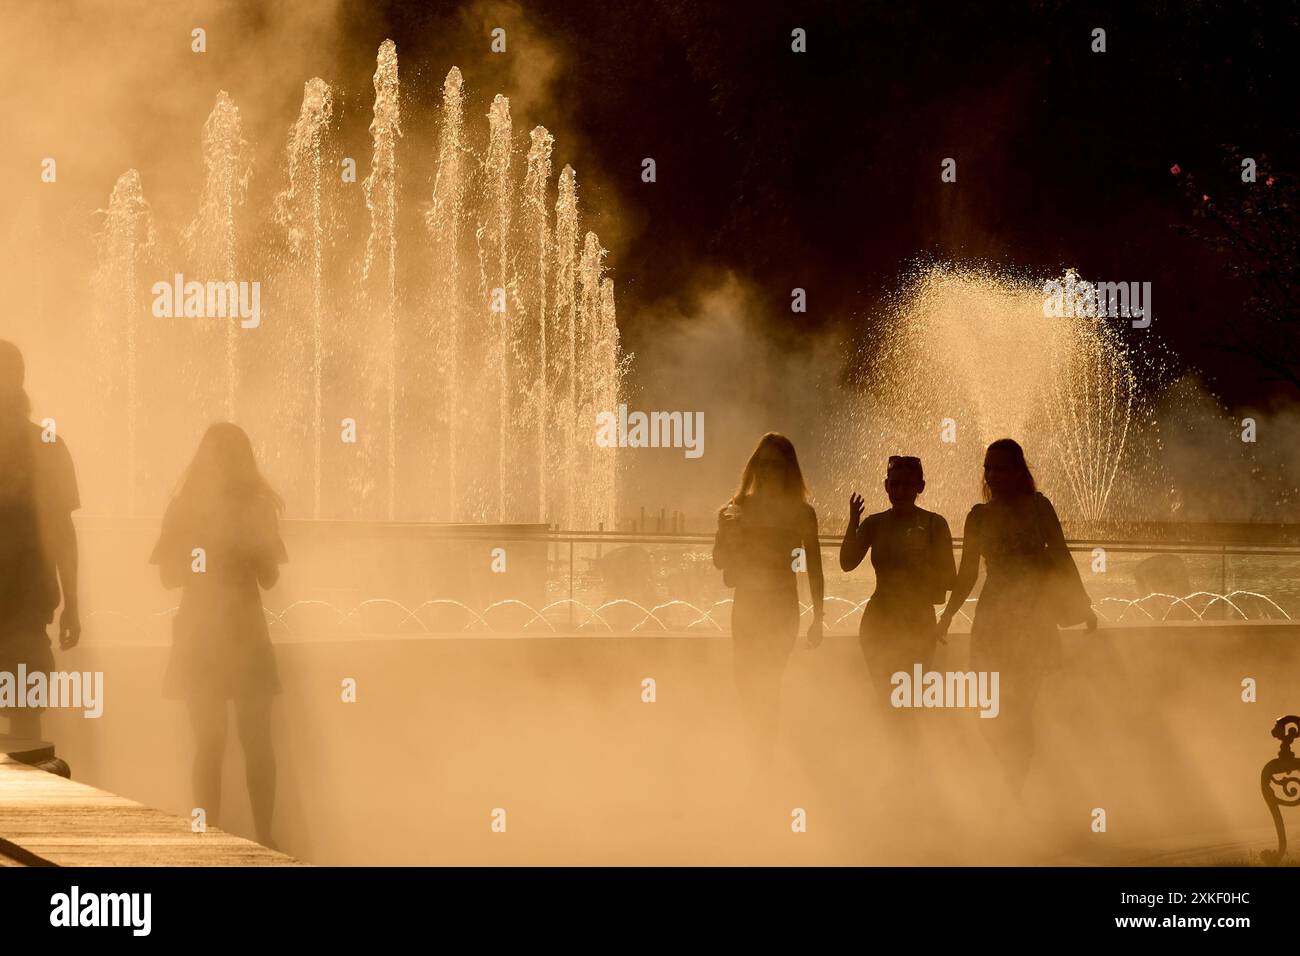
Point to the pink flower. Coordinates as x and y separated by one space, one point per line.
1175 169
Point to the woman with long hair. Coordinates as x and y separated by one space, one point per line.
1031 586
220 543
911 553
765 532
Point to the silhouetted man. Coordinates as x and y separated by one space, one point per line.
38 544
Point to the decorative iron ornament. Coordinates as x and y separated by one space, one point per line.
1279 782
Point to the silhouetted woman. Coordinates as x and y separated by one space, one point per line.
220 542
760 533
911 552
1031 585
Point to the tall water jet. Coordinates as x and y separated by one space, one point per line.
381 199
566 327
590 273
536 251
497 237
444 220
211 236
607 366
125 235
299 210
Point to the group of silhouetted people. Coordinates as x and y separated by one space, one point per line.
1031 586
220 544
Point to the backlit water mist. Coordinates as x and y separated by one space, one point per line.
968 357
444 362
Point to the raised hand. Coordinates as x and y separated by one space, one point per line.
855 509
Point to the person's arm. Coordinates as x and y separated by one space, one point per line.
59 499
967 573
272 554
1052 531
65 561
945 566
1059 552
854 546
268 573
816 582
724 540
173 569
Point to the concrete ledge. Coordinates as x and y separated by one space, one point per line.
46 820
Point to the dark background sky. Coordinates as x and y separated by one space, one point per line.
821 170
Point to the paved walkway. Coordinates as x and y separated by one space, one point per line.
46 820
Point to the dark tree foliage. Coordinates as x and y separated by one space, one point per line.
1253 227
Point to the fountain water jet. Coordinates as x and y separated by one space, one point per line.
1090 395
495 232
381 199
969 357
566 320
593 396
299 210
444 221
211 236
126 234
535 240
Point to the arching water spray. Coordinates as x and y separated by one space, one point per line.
968 356
1090 395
